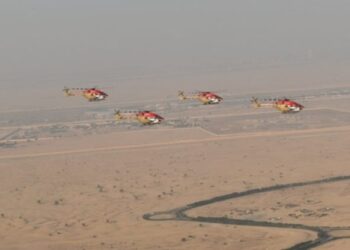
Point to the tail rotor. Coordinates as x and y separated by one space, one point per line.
255 102
117 115
67 91
181 95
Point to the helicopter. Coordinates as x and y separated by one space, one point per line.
144 117
205 97
91 94
284 105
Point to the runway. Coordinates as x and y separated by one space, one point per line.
211 138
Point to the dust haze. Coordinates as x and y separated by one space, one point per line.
161 46
224 176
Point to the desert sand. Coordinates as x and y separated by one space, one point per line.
90 188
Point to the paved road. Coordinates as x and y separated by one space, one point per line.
323 233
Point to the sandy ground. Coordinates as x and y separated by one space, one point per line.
91 192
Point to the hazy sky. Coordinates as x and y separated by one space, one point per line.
60 41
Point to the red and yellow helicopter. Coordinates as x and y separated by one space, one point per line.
205 97
91 94
284 105
144 117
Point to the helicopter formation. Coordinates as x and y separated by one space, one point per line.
145 117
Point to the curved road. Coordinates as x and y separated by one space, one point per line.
323 233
